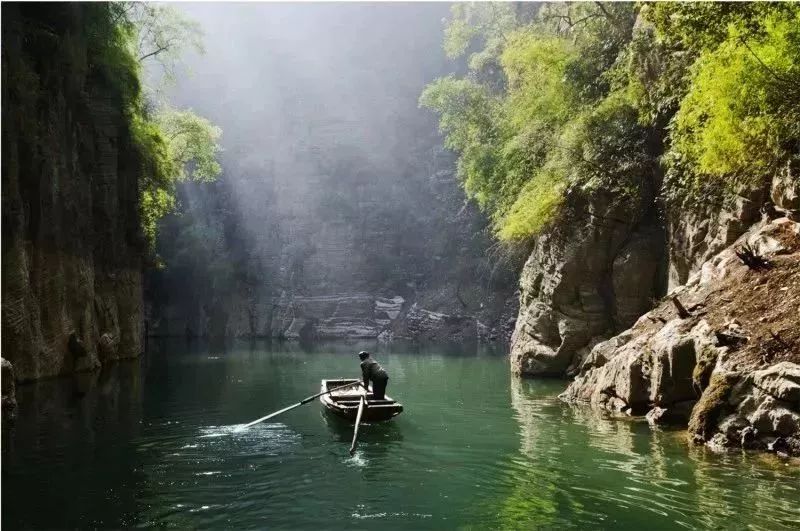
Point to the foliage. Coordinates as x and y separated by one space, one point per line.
158 34
594 96
739 119
521 147
173 145
192 142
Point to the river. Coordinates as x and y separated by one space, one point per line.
159 442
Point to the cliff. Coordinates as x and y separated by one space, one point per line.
380 273
336 196
593 274
72 245
721 352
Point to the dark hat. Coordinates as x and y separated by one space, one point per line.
363 355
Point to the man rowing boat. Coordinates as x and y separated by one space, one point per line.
371 370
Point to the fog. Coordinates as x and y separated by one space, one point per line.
334 181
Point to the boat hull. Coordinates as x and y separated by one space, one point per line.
344 403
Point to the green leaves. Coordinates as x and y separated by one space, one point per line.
738 119
593 96
522 146
173 145
192 144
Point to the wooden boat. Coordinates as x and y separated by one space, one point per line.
344 402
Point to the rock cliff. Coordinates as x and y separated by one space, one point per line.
332 200
72 245
595 272
720 353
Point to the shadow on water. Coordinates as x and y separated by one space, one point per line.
65 426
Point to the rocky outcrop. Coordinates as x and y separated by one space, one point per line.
71 245
759 410
425 325
591 275
697 235
720 353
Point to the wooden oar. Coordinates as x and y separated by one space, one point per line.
358 422
304 401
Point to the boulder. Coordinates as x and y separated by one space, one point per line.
644 370
677 414
781 381
750 411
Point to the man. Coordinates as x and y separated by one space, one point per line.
371 370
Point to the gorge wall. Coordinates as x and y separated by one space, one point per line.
72 244
338 213
720 353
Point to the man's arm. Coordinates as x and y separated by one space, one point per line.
365 375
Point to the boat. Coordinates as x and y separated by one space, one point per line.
344 402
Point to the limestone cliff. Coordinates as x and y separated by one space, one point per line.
595 272
72 245
335 197
721 352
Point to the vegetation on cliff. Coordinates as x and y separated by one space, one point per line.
174 145
596 97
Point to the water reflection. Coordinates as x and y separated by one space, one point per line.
161 442
584 467
67 425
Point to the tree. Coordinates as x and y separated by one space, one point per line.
177 144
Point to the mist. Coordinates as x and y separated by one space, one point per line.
334 183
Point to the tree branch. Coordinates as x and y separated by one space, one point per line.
762 63
605 12
154 53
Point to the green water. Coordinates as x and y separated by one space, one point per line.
159 442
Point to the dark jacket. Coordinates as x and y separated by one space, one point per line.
372 371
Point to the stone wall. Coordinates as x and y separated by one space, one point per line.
71 246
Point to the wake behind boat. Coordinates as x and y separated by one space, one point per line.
344 402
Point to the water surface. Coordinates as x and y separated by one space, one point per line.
159 442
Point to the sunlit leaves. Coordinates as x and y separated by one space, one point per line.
193 144
173 145
522 146
591 96
738 119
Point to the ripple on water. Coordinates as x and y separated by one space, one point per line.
511 456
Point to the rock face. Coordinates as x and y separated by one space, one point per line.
593 274
71 245
349 316
721 353
695 238
9 399
760 410
322 204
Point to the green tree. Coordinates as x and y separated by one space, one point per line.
529 133
176 144
738 120
602 97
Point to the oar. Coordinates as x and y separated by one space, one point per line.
304 401
358 421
